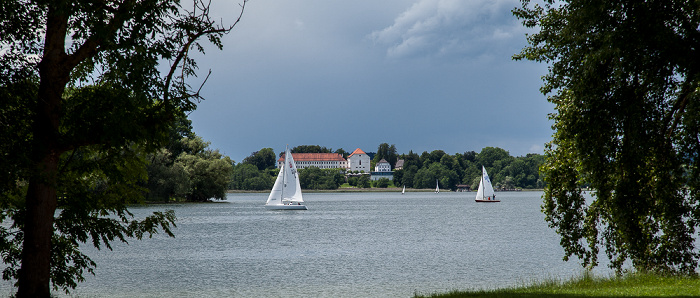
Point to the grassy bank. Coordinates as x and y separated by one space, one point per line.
633 285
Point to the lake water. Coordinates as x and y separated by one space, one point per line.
345 245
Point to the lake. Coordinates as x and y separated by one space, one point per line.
345 245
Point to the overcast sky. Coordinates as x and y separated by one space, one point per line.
420 74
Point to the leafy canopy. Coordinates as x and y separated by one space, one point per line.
87 89
625 79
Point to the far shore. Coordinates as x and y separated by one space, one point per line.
339 190
353 189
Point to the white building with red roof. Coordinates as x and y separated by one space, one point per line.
319 160
358 160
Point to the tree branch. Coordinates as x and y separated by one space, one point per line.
90 47
182 53
678 108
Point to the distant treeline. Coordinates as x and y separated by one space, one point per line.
505 171
258 171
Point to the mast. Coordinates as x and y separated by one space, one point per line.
284 174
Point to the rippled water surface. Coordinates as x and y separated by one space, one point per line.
345 245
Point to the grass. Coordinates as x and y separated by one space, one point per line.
631 285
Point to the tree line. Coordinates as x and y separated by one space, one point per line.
505 171
258 171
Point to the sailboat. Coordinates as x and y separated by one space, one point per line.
286 193
485 192
404 190
437 186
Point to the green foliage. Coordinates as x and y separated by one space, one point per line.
93 185
84 98
196 174
310 149
166 179
426 177
248 177
353 180
342 152
504 170
624 77
382 183
208 173
398 177
364 182
263 159
387 153
315 178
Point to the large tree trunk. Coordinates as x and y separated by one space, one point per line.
34 274
41 201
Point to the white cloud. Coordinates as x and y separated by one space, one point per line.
440 28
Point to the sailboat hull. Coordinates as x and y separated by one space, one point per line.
487 201
286 207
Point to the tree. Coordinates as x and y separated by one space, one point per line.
491 156
364 182
248 177
82 100
382 183
309 149
316 178
207 171
624 76
263 159
352 180
166 179
387 153
426 177
398 177
342 152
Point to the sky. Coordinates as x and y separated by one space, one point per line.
422 75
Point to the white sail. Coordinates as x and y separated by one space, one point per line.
275 197
292 189
437 186
287 188
485 191
404 189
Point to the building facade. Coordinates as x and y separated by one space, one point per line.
382 170
359 161
382 166
319 160
399 165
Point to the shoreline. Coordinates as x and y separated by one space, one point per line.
339 190
389 189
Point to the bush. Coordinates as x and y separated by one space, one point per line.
382 183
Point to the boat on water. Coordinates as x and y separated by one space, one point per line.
485 194
437 186
286 193
404 190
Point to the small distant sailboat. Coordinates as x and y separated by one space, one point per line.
437 186
286 193
485 192
404 190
